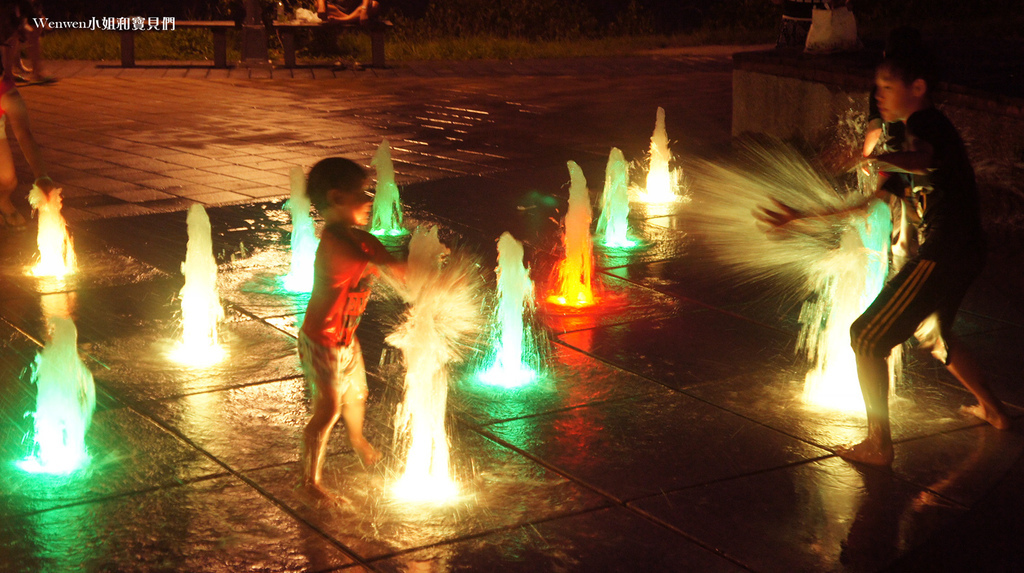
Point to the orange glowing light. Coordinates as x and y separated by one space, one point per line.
575 271
56 251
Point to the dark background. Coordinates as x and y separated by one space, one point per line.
559 18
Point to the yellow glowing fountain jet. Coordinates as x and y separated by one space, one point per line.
662 182
201 310
56 252
444 292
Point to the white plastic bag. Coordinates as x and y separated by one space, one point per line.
832 30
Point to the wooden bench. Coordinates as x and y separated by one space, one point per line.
375 28
220 40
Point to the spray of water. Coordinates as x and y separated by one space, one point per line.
613 224
304 242
201 311
65 400
56 251
387 205
514 356
663 183
574 272
444 316
840 266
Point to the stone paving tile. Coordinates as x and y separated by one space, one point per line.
825 515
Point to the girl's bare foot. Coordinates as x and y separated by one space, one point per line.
994 416
867 453
367 453
322 496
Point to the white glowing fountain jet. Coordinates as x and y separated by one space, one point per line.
201 311
574 273
840 266
304 241
613 224
663 183
845 283
444 292
387 205
514 356
56 251
65 401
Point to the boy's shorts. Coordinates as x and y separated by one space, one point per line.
921 288
341 367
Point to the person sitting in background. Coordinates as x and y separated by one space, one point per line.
796 21
347 10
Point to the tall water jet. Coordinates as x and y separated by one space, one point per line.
663 183
65 401
201 311
845 283
56 251
304 241
387 205
838 265
613 224
514 357
574 273
444 293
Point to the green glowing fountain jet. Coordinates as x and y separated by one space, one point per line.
65 400
304 243
514 358
387 205
613 225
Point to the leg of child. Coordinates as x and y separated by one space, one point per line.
353 411
962 365
876 449
326 410
8 182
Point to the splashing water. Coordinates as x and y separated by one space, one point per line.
56 251
514 359
846 282
573 283
613 224
842 266
201 310
663 183
444 292
65 401
304 243
387 205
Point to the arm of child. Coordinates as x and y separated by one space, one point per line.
781 214
917 162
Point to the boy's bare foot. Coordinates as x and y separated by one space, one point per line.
867 453
993 416
323 496
367 453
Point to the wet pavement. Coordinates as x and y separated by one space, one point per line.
668 433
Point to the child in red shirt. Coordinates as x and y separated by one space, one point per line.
346 262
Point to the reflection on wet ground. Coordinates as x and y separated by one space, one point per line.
666 432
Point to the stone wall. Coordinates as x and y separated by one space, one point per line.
801 97
811 99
